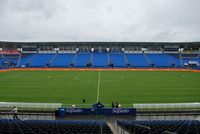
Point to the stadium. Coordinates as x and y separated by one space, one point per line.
99 67
141 87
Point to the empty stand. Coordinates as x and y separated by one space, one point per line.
54 126
161 126
36 60
82 59
187 58
41 60
100 60
163 60
25 59
117 59
62 60
137 60
97 59
11 58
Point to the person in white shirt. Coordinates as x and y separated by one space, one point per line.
15 112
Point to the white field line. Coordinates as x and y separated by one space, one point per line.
98 86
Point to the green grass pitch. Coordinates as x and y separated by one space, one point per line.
126 87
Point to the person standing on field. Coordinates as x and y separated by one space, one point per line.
116 105
83 100
113 104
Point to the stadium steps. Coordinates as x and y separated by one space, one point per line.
181 59
18 62
91 58
108 58
114 131
52 59
125 59
74 59
147 58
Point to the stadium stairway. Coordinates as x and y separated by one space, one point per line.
112 127
20 56
91 58
180 57
149 60
108 59
125 58
74 59
52 59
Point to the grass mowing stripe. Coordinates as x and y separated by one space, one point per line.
98 87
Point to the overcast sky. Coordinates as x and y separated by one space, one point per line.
100 20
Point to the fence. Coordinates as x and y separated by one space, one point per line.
29 110
167 106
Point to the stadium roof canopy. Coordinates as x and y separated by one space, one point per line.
103 43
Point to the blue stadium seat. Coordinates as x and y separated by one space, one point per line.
9 58
163 60
137 60
25 59
62 60
40 60
100 60
161 126
35 60
117 59
187 60
82 59
54 126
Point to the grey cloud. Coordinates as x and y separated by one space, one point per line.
100 20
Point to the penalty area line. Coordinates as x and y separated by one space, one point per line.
98 86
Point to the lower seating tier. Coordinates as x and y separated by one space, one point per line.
161 126
54 126
97 59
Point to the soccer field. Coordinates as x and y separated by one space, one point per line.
125 87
